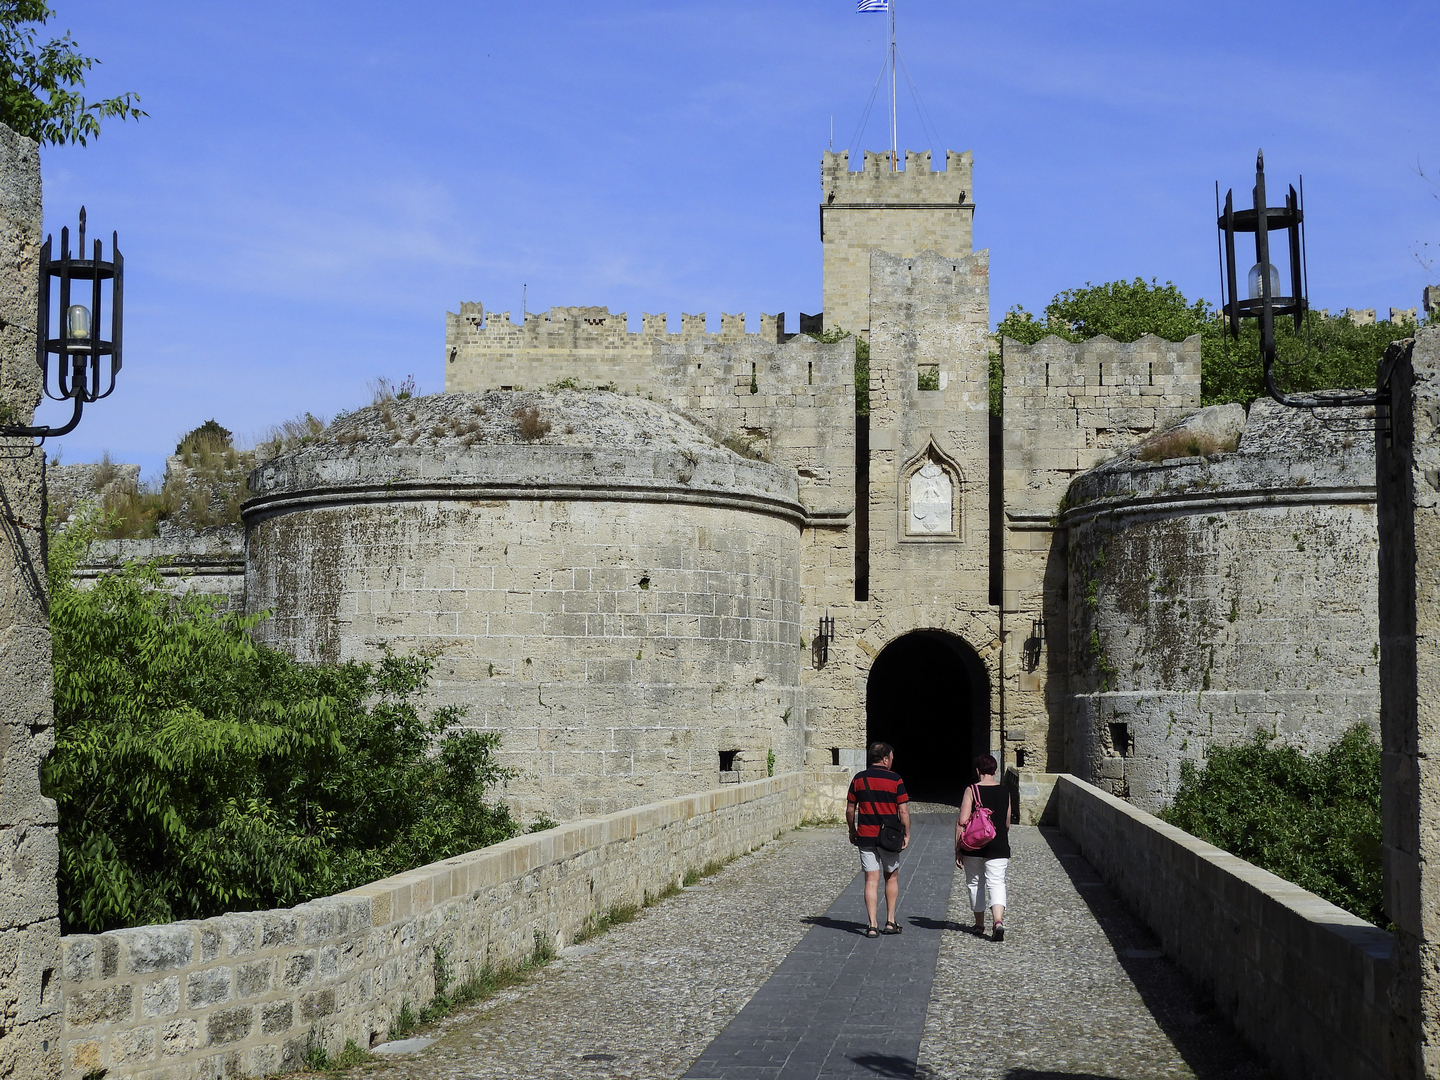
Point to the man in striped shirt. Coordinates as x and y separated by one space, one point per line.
877 797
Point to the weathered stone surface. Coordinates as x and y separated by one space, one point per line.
229 1025
161 998
159 948
618 597
1067 408
1214 597
29 853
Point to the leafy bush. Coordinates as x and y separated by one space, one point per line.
1311 819
198 773
1327 353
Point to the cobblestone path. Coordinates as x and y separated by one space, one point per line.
1078 990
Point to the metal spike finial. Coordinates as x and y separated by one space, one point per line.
1260 160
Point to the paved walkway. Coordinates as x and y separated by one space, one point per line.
840 1004
732 974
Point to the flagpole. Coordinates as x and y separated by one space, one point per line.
894 132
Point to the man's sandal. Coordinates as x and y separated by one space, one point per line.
872 931
891 928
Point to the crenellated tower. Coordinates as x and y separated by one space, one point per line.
903 212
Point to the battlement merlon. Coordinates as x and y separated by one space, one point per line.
583 328
916 184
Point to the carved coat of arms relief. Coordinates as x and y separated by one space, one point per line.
932 498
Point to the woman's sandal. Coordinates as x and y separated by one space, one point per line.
872 931
892 928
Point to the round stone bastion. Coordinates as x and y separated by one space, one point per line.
1223 582
600 582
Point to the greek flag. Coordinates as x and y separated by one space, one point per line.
872 5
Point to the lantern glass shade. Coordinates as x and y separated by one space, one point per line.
77 321
1255 281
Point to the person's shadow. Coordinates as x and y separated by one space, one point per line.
924 922
849 926
888 1065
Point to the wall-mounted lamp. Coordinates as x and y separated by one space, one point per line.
77 346
823 637
1263 299
1031 648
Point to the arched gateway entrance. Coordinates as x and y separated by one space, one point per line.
928 696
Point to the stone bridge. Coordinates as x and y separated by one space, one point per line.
1133 951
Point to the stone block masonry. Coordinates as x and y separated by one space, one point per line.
1407 449
29 851
1304 982
1067 408
619 597
901 211
244 994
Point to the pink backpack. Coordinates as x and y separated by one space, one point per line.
979 830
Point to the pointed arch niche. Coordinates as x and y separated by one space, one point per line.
929 500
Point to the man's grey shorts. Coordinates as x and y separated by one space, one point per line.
874 858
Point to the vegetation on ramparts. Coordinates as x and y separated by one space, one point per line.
1311 819
197 772
1327 353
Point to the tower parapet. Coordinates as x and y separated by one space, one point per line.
916 184
902 211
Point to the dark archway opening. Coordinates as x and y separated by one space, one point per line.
928 696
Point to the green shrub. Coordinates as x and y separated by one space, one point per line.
197 772
1311 819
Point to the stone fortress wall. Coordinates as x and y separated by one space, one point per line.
1224 588
207 561
350 563
618 595
1067 408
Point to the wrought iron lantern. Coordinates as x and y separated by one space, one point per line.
1264 300
823 637
1031 648
78 346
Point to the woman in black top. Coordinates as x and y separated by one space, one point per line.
989 862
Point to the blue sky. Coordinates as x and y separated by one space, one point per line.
317 183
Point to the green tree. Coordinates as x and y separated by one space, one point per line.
1325 354
1123 310
1310 819
40 96
198 773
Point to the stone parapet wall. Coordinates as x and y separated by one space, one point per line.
1305 982
206 561
1213 597
244 994
68 487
